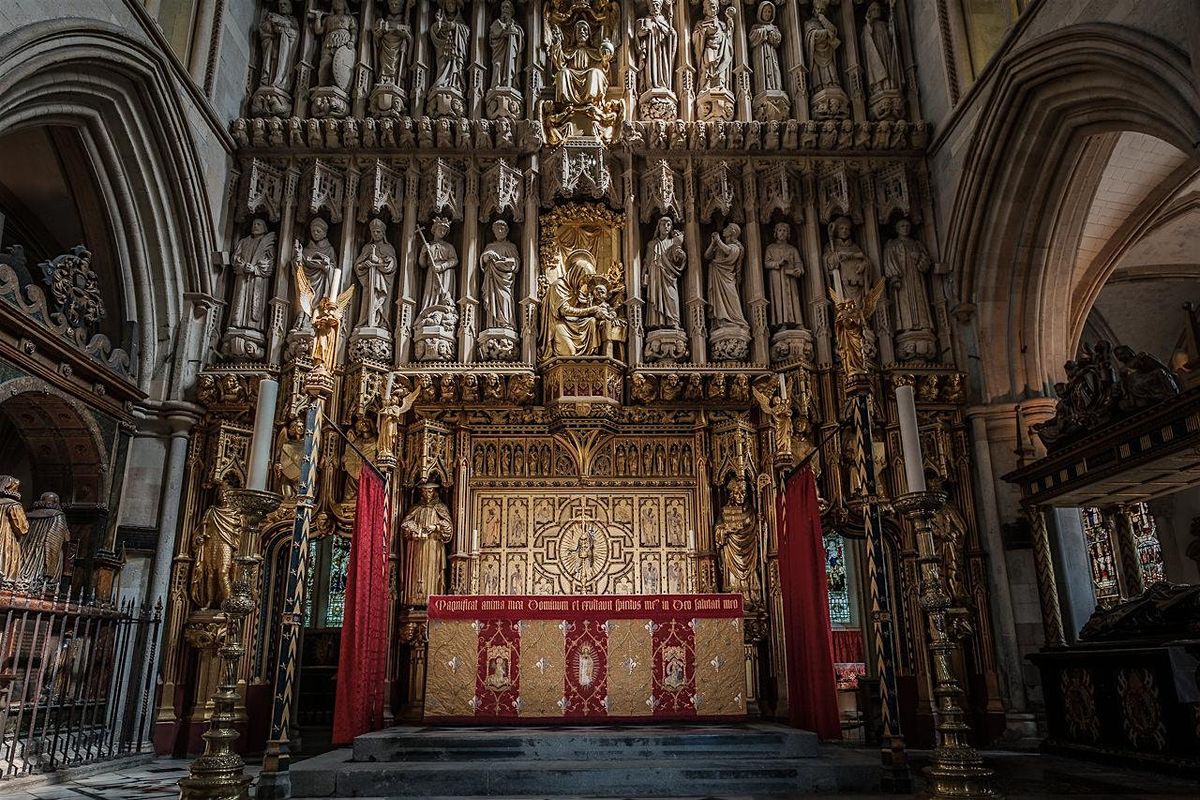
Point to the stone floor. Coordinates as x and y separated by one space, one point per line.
1019 777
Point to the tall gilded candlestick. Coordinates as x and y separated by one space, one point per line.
219 773
957 771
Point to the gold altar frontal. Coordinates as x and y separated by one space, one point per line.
582 658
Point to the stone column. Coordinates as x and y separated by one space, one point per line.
529 266
203 24
793 52
1043 561
534 65
631 252
1072 571
628 72
304 69
285 258
1125 543
742 70
904 45
685 73
468 267
409 283
1003 624
364 73
476 77
422 60
814 273
874 249
848 33
693 292
752 277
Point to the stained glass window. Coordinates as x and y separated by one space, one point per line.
1145 537
839 582
1098 538
339 564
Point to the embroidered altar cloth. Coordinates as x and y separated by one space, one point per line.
604 658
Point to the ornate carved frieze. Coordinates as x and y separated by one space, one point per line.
695 386
442 189
503 191
382 191
322 188
578 169
661 191
263 192
719 190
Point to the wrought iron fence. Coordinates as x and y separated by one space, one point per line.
75 679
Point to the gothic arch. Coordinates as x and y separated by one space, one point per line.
1050 99
122 99
67 451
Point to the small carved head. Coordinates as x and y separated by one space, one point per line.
338 6
874 12
378 228
731 232
318 229
295 428
711 7
395 6
285 7
903 228
500 230
766 13
10 487
665 224
258 227
583 32
655 7
506 10
737 491
783 231
840 228
48 500
440 227
428 492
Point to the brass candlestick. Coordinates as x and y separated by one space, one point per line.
957 771
219 773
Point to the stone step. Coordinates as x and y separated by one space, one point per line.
422 744
739 770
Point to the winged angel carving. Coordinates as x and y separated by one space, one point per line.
326 314
855 338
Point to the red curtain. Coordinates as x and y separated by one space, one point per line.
362 660
812 691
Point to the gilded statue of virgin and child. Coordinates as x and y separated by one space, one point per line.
580 312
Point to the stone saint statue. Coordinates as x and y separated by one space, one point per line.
500 261
13 525
664 265
725 254
450 35
657 42
316 260
374 267
507 42
440 261
580 68
712 39
426 531
335 71
821 43
736 538
278 34
842 253
392 37
42 549
364 438
213 546
765 38
881 65
905 265
253 265
784 269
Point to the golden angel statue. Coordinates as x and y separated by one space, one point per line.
326 314
775 407
855 338
397 402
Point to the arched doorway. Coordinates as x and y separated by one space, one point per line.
52 444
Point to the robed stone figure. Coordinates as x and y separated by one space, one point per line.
725 254
500 261
253 265
213 546
507 42
657 42
375 266
13 525
426 531
784 269
664 265
736 538
440 260
906 262
42 548
317 259
449 34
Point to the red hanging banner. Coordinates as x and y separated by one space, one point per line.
812 689
362 659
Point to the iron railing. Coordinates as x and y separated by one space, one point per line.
75 679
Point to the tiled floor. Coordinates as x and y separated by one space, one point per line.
1018 777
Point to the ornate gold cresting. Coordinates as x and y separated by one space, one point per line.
220 772
957 770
